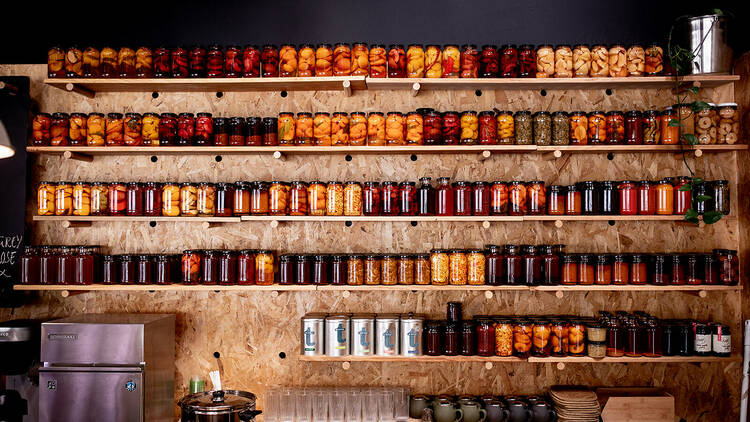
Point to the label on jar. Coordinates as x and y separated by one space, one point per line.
722 343
703 343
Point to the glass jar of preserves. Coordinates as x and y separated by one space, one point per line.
316 198
246 267
542 128
197 62
378 58
563 61
573 202
405 269
40 129
664 198
458 267
371 199
646 198
179 62
117 198
599 61
224 197
251 61
415 61
509 61
324 60
99 199
439 267
209 267
81 199
134 198
541 344
191 267
581 61
642 129
269 59
512 265
617 58
728 126
322 129
444 197
545 61
494 265
522 338
489 62
407 204
278 198
615 128
451 57
59 129
526 61
480 198
560 128
654 60
694 271
357 129
188 200
162 63
185 129
286 129
91 60
677 269
710 269
597 130
469 61
108 63
334 199
220 131
628 197
133 129
706 120
241 203
342 60
682 198
236 131
264 267
152 199
636 60
522 122
499 198
302 269
150 129
569 270
532 265
586 275
607 194
375 129
170 199
662 270
259 198
396 61
287 61
700 190
505 128
114 131
504 337
578 128
720 196
422 274
686 118
425 198
372 268
128 273
485 335
536 198
144 62
670 135
389 199
414 125
77 129
388 270
125 62
55 62
620 269
603 273
576 338
352 198
306 61
638 269
167 129
74 63
320 270
462 204
550 265
451 128
269 132
298 198
395 128
226 273
338 269
557 200
475 267
355 270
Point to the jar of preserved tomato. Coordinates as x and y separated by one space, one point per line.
371 199
628 197
646 198
615 128
352 198
578 128
204 129
179 62
40 129
439 266
298 198
197 62
241 203
269 58
444 197
489 62
522 121
188 200
185 129
670 135
168 129
246 267
469 61
278 198
287 61
509 61
573 202
589 198
451 128
264 266
134 195
462 204
59 129
251 61
117 198
259 198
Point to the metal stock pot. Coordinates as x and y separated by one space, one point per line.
219 406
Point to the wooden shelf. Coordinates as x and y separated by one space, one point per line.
493 359
90 87
649 82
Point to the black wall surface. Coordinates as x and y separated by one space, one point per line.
14 113
151 23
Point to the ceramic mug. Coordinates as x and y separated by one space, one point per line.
542 412
417 404
472 411
496 410
519 411
446 411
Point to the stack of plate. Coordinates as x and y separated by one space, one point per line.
575 404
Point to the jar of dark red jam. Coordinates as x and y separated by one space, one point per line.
227 273
633 128
493 259
246 267
407 192
628 197
321 270
371 199
389 199
127 269
220 131
512 265
224 199
433 338
134 198
425 198
145 269
286 270
185 129
210 267
462 193
83 265
550 265
110 272
163 269
485 335
338 270
302 269
152 199
167 129
646 198
236 131
270 131
444 197
480 198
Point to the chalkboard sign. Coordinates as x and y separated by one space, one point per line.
14 113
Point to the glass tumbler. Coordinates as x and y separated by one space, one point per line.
354 405
320 398
271 403
370 406
337 405
286 405
386 406
303 405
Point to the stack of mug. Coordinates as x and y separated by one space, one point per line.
487 408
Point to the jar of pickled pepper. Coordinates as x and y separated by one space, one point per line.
287 61
526 61
634 126
170 199
469 61
651 127
560 128
509 61
59 129
306 61
378 58
114 131
179 62
340 129
203 129
185 129
232 62
357 129
433 62
197 62
451 128
542 128
487 128
286 128
162 63
615 128
168 129
269 58
489 62
126 62
451 61
251 61
144 62
91 59
269 131
322 129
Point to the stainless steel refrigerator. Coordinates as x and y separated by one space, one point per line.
107 367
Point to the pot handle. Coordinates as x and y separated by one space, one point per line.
249 415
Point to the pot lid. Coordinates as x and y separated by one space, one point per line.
216 402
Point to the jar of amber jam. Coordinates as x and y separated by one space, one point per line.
224 199
603 273
557 200
422 274
241 202
670 135
638 269
259 198
405 266
620 269
264 267
512 265
569 270
389 199
388 269
372 274
355 269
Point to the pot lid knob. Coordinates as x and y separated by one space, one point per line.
218 396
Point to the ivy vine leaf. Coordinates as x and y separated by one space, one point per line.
694 90
702 198
697 106
690 138
697 180
674 123
711 217
691 215
718 12
687 187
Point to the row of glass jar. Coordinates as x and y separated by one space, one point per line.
415 61
425 126
390 198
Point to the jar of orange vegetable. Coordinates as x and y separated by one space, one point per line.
342 60
378 59
664 198
597 128
469 128
298 198
394 129
357 129
114 129
340 129
286 128
670 135
451 61
304 129
77 129
322 129
469 61
360 59
95 131
150 129
133 129
578 128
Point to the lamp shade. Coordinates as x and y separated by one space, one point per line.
6 149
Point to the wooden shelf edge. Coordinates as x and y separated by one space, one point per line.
493 359
109 218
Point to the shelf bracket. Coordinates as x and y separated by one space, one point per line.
415 89
486 224
70 155
488 294
71 87
488 365
699 293
485 155
75 224
347 85
69 293
279 155
346 365
211 225
552 155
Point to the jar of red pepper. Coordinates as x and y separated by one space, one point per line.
433 128
254 131
371 199
489 61
251 61
526 61
196 62
407 198
185 129
215 62
451 128
233 62
487 128
396 61
162 63
509 61
269 59
179 62
480 198
168 129
615 127
444 197
389 199
204 129
462 204
469 61
646 198
628 197
633 128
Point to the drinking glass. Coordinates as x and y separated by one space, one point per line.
386 405
303 405
337 405
370 406
271 405
320 405
286 405
354 405
401 403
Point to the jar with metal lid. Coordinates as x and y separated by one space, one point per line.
550 265
375 129
302 269
167 129
134 199
269 131
371 199
316 198
415 61
458 267
334 199
686 118
170 199
389 270
589 198
542 128
425 198
352 198
324 60
508 62
254 131
188 200
462 198
545 61
636 60
560 128
628 197
241 202
223 198
405 271
607 198
617 57
108 63
489 62
422 275
493 265
677 269
573 203
728 266
639 269
163 269
597 130
661 270
433 336
407 204
541 344
557 200
615 128
298 198
114 131
646 198
469 61
487 128
269 58
526 61
320 270
59 129
563 61
648 130
664 198
246 267
505 125
517 198
355 270
576 338
578 128
699 191
522 121
55 62
532 265
340 129
451 57
480 198
581 61
342 60
264 267
444 197
389 199
728 125
117 198
185 129
512 266
338 269
29 273
451 128
40 129
503 337
287 61
720 196
378 58
468 338
210 267
191 267
133 129
654 60
603 270
569 270
143 62
396 61
395 129
76 129
372 274
710 269
286 269
161 62
620 269
74 63
586 269
48 257
432 128
485 336
125 62
197 62
81 199
128 274
522 334
670 135
259 198
439 267
703 339
536 198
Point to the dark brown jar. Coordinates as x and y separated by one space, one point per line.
586 274
633 128
536 198
83 265
662 267
145 269
678 269
512 265
270 131
236 131
127 269
210 267
302 270
452 345
493 265
433 338
589 198
168 129
320 270
556 201
425 197
224 199
254 131
259 198
163 270
532 265
286 270
468 338
110 271
152 199
338 270
221 132
551 265
710 269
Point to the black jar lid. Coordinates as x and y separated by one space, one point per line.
408 183
269 120
559 113
557 188
204 114
186 115
270 46
438 251
133 115
489 46
114 115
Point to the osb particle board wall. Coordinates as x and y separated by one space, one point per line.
251 329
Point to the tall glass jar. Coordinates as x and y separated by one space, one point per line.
287 61
188 200
615 128
469 61
505 128
246 267
99 199
589 198
340 129
480 198
179 62
415 61
264 267
526 61
560 128
185 129
597 128
168 129
628 197
259 198
40 129
425 198
143 63
117 198
197 62
389 199
646 198
444 197
581 61
324 60
489 62
536 198
532 265
306 61
269 58
522 122
371 199
509 61
651 127
451 61
251 61
654 60
342 60
152 199
114 129
512 265
322 129
499 198
170 199
542 128
579 128
55 62
375 129
162 63
91 60
241 203
556 201
550 265
74 62
439 266
462 198
378 58
224 194
59 129
334 199
278 198
125 61
573 202
108 63
545 61
298 198
617 57
451 128
563 61
396 61
269 132
407 192
670 135
286 128
352 198
134 195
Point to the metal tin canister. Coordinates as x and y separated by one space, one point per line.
411 334
387 334
363 335
337 335
313 338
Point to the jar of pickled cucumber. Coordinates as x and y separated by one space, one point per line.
522 121
560 128
542 128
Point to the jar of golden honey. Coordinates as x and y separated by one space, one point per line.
64 198
46 198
